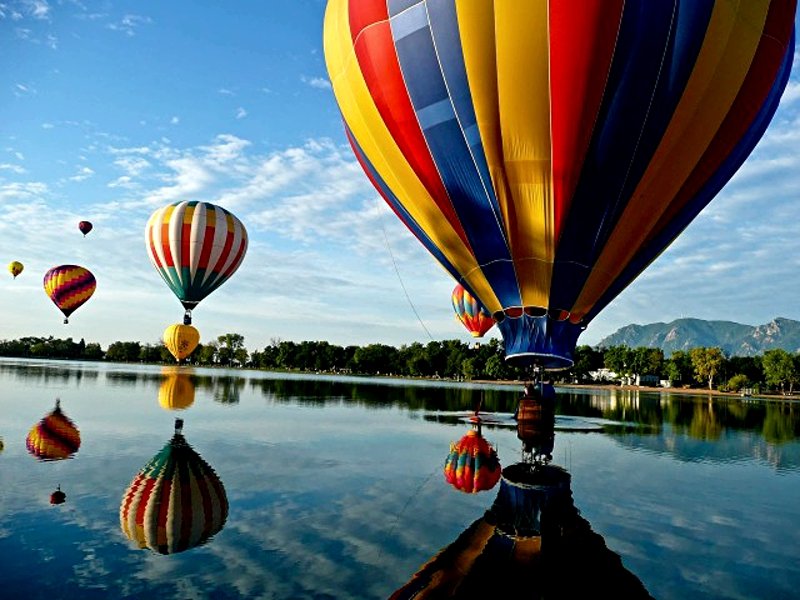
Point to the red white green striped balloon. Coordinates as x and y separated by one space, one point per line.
176 502
195 247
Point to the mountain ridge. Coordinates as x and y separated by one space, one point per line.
735 339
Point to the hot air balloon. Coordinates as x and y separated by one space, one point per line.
546 152
176 502
69 286
85 227
470 312
176 391
196 247
181 340
55 437
58 497
472 465
15 268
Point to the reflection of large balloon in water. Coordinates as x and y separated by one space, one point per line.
55 437
472 464
181 340
532 538
176 502
546 155
470 312
195 247
15 268
176 391
69 286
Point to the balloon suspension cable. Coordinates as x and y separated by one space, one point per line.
187 317
396 270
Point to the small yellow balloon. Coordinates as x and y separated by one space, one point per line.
176 392
15 268
181 340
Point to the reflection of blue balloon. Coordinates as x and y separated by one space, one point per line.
546 155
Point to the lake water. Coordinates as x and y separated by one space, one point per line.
296 486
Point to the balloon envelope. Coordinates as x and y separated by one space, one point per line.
176 501
195 247
85 227
55 437
546 155
470 312
69 287
472 465
15 268
181 340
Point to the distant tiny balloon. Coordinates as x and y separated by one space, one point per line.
85 227
15 268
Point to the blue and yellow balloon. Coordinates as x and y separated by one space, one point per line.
546 152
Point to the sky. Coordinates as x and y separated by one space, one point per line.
111 109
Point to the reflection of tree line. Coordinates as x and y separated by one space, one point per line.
47 373
699 418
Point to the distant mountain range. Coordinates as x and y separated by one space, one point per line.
735 339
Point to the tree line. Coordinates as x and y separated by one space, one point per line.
775 370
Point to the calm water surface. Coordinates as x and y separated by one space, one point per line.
335 489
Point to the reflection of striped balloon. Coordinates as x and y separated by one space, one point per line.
470 312
54 437
69 286
196 247
472 465
176 502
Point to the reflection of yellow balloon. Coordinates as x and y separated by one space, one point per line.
176 392
15 268
181 340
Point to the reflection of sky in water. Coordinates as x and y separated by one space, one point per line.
337 491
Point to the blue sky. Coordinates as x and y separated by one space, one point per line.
109 110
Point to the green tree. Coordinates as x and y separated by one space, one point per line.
779 369
706 363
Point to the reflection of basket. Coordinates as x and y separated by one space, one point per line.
529 492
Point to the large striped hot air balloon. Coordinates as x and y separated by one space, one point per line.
472 465
546 151
470 312
55 437
176 502
69 287
195 247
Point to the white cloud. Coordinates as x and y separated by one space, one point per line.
316 82
241 113
83 174
129 24
13 168
225 92
174 120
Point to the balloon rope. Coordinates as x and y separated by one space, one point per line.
396 270
413 495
